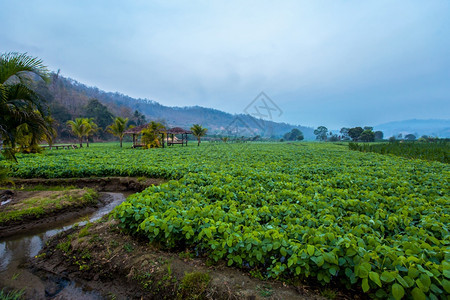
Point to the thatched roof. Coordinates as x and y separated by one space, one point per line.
178 130
136 130
175 130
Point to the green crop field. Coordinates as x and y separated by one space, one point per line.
308 211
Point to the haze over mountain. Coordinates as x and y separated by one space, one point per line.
431 127
68 99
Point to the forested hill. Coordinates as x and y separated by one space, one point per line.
69 99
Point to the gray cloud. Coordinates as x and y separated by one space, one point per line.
324 62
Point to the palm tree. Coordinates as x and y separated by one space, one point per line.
198 131
91 128
118 128
19 102
78 128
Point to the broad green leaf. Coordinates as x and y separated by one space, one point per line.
375 278
417 294
446 285
397 291
365 285
413 272
387 277
401 280
310 249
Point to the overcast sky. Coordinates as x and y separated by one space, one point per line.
332 63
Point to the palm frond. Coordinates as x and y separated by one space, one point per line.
13 63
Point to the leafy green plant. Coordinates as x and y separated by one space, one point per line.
437 151
374 223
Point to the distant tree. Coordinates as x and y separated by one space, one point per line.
368 128
198 131
378 135
355 133
333 138
344 132
78 128
392 139
118 128
91 129
400 136
410 137
139 118
321 133
98 112
294 135
367 136
224 139
151 136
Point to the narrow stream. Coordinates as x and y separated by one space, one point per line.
16 250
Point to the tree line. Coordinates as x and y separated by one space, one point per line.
363 134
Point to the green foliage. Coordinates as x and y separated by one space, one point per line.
4 171
293 135
98 112
11 295
319 211
151 136
198 131
23 115
437 151
118 128
355 133
193 285
367 136
321 133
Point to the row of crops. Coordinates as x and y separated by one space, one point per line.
308 211
437 151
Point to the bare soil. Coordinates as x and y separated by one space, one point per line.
119 266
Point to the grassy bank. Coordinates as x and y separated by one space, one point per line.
43 203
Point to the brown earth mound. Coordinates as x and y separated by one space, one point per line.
123 267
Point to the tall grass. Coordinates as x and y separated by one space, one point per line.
433 151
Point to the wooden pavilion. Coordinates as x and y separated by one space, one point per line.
168 136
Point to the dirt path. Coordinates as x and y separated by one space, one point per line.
122 267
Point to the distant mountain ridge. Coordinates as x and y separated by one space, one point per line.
418 127
73 94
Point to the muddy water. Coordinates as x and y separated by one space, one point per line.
15 251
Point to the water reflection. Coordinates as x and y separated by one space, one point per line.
16 250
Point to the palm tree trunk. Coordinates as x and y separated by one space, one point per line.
121 142
81 142
198 141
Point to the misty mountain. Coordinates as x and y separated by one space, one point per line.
431 127
69 95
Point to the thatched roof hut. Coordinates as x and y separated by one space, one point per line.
170 138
